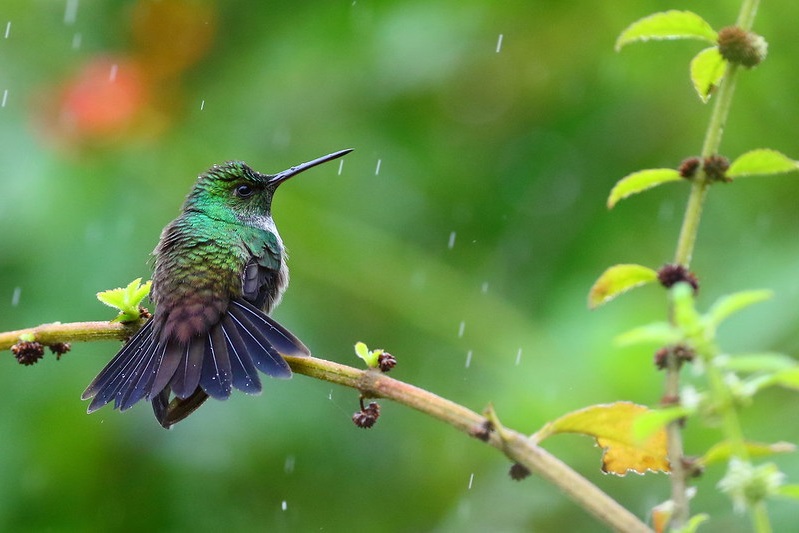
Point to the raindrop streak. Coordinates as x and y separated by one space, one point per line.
468 358
5 97
484 288
8 29
288 466
340 166
461 328
112 76
471 479
76 40
71 12
377 169
330 396
202 105
15 296
499 43
451 243
519 356
283 505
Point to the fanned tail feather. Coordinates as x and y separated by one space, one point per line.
111 379
216 377
228 356
276 335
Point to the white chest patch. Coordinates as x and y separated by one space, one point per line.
263 222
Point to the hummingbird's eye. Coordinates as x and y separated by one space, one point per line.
244 191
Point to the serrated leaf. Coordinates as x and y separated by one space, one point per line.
612 427
757 362
617 280
763 161
668 25
730 304
126 299
660 333
707 69
641 181
722 451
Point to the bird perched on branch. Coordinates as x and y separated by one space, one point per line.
219 270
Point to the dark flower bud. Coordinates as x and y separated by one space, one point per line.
741 47
27 353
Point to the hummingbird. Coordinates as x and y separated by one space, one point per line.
219 269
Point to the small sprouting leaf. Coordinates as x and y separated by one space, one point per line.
727 305
618 279
693 524
762 161
722 451
612 427
126 299
707 69
660 333
668 25
639 182
757 362
370 357
361 350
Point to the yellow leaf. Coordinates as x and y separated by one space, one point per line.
612 427
617 280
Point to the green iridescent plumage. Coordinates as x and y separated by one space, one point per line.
219 270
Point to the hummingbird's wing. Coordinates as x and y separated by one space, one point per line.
265 275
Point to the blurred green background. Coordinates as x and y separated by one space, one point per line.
480 234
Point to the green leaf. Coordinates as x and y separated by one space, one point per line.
668 25
788 491
762 161
722 451
707 69
727 305
660 333
787 378
757 362
651 421
685 314
370 357
693 524
641 181
618 279
127 300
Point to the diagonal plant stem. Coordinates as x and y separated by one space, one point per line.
685 248
517 447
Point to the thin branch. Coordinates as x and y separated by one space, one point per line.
372 383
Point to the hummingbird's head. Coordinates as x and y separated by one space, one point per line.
234 192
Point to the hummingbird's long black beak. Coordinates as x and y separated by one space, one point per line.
280 177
